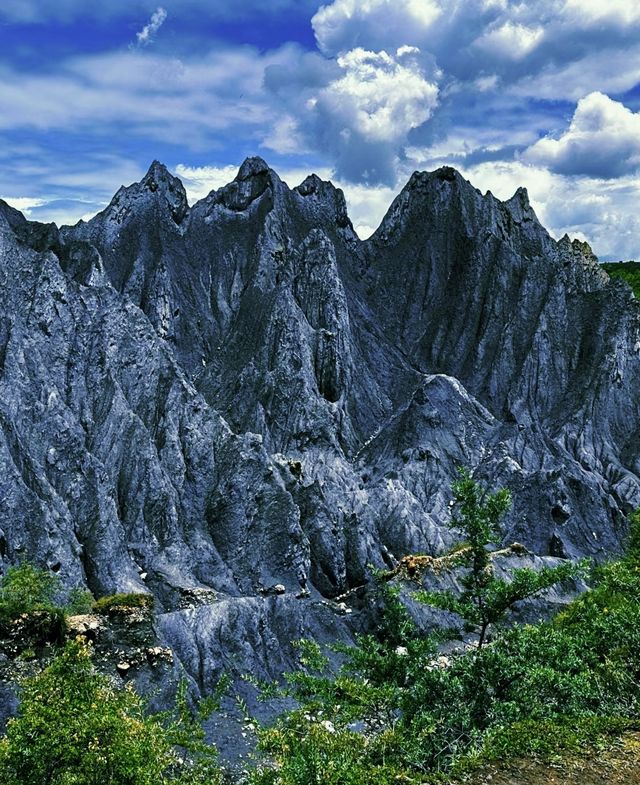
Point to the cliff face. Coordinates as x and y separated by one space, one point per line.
242 393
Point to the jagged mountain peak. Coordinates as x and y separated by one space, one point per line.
520 207
444 176
157 189
253 166
254 179
254 397
444 195
324 193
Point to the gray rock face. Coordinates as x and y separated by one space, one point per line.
212 401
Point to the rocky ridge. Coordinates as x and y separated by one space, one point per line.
206 402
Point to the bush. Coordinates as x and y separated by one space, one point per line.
25 589
546 739
541 690
122 602
75 728
485 599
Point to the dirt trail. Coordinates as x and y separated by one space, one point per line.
619 765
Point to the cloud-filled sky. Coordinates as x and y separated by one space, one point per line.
543 93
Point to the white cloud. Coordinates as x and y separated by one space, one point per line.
380 96
509 40
199 181
23 203
607 70
285 137
375 24
55 210
367 205
188 101
478 37
148 32
587 12
358 111
602 140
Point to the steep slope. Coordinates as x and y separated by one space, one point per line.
112 464
476 289
242 393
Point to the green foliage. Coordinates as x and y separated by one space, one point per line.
310 654
486 599
316 753
74 727
25 589
628 271
118 602
547 739
395 711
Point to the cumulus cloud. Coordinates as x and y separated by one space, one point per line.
359 108
380 96
602 140
512 40
148 32
375 24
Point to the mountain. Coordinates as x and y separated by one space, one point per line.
210 401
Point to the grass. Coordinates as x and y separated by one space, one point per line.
118 602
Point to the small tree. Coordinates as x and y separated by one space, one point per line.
486 599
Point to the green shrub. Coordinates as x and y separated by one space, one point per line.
311 751
485 599
547 739
118 602
74 727
540 690
25 589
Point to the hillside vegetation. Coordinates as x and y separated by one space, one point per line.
628 271
397 711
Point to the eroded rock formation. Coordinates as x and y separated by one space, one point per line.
242 394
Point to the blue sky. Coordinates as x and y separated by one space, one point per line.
544 93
